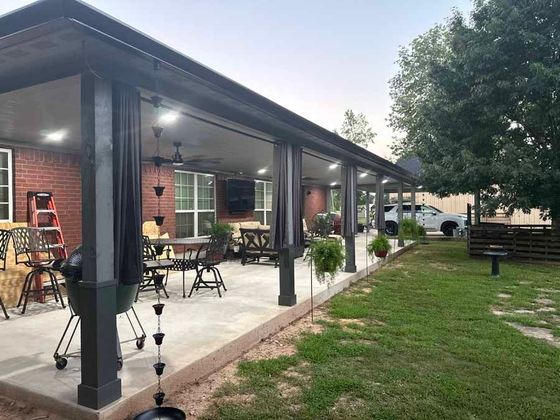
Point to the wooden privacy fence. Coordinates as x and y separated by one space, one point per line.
539 242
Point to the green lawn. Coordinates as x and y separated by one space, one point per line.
424 344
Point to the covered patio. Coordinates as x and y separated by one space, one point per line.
204 332
63 69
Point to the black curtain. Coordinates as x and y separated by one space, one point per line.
127 184
349 206
287 227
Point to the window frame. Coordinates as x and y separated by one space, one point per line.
10 185
195 211
264 210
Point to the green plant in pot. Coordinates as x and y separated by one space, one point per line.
379 247
222 229
326 260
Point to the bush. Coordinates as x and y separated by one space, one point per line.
327 258
411 229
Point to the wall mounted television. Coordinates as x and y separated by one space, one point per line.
240 195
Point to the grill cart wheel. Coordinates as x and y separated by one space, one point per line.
140 343
119 363
61 363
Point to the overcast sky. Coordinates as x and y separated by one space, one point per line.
315 57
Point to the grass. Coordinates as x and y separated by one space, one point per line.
424 345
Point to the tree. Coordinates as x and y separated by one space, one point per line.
478 103
357 129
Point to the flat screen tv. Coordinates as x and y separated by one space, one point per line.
240 195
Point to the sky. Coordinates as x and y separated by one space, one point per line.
314 57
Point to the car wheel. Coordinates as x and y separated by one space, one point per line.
448 228
391 229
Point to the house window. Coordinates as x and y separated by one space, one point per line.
195 209
263 202
6 201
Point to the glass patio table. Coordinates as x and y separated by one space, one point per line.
185 263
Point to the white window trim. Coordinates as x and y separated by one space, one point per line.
267 184
10 186
195 211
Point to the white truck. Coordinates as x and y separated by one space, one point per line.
433 219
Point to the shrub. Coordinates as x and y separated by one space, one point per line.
411 229
218 229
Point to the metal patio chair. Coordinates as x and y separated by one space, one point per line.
207 259
5 236
34 251
152 279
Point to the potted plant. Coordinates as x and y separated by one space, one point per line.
379 247
222 229
326 260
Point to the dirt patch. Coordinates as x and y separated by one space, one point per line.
15 410
546 309
442 266
549 290
196 398
498 312
524 311
347 405
349 321
504 295
287 390
536 332
367 290
544 301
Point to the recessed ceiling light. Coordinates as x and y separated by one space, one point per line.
56 135
385 180
333 183
262 171
333 166
169 117
363 174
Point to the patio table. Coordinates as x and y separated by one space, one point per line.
183 264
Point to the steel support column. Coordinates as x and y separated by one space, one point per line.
286 255
400 215
413 203
349 210
99 383
379 205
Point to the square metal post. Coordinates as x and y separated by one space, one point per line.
400 215
379 204
286 255
349 209
100 384
413 203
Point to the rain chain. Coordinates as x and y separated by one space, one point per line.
159 396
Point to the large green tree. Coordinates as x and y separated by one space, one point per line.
477 101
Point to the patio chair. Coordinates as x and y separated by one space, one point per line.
255 246
34 251
207 259
152 265
4 240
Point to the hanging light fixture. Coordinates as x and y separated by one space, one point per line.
177 158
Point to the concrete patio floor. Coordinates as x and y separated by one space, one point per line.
202 334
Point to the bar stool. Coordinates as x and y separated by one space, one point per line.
34 251
4 240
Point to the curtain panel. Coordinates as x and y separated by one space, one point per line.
127 184
286 228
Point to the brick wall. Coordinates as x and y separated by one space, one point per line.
59 173
222 213
314 201
149 199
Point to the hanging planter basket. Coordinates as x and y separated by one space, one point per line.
159 190
159 220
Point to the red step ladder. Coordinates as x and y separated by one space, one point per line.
41 213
